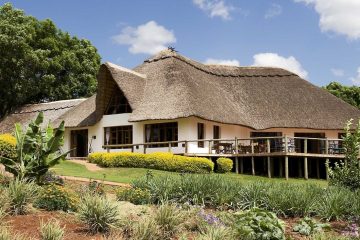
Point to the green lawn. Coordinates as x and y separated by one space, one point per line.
127 175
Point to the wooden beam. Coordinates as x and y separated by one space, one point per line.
253 166
236 165
326 171
268 158
318 168
306 173
169 148
241 165
186 147
269 167
286 167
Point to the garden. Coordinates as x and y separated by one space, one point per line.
174 198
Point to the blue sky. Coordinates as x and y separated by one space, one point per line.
318 39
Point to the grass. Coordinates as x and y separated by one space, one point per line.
127 175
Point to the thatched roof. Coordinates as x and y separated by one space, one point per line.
257 97
27 113
170 86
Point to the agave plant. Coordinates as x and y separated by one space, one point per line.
37 148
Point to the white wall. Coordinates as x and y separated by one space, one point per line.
187 130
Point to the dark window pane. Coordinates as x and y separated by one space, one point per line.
161 132
119 135
118 104
201 134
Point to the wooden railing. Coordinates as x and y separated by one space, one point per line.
242 146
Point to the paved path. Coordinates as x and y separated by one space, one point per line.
90 166
81 179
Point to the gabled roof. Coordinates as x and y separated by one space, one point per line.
25 114
170 86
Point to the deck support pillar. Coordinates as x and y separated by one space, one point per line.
252 166
306 174
269 167
236 165
326 170
241 165
286 167
318 168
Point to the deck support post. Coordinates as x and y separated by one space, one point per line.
306 173
169 148
209 146
286 167
241 165
326 170
236 165
252 157
252 166
318 168
269 167
286 159
144 148
268 158
186 147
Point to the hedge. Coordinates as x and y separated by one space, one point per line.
158 160
224 165
7 146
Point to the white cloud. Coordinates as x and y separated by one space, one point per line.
356 80
337 72
215 8
273 11
229 62
275 60
148 38
339 16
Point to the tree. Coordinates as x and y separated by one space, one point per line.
350 95
37 150
40 63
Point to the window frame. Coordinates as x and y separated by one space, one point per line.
119 134
161 132
201 134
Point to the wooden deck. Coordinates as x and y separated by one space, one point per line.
270 149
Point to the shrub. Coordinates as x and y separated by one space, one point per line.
51 178
40 150
160 161
257 224
224 165
136 196
308 226
169 218
347 173
54 197
5 234
216 233
51 231
291 200
146 229
20 194
7 146
98 213
335 203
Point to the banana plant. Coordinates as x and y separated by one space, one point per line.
37 149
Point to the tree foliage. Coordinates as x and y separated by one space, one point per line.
350 95
37 150
39 62
347 172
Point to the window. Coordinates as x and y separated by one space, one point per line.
118 135
161 132
201 134
118 104
216 133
